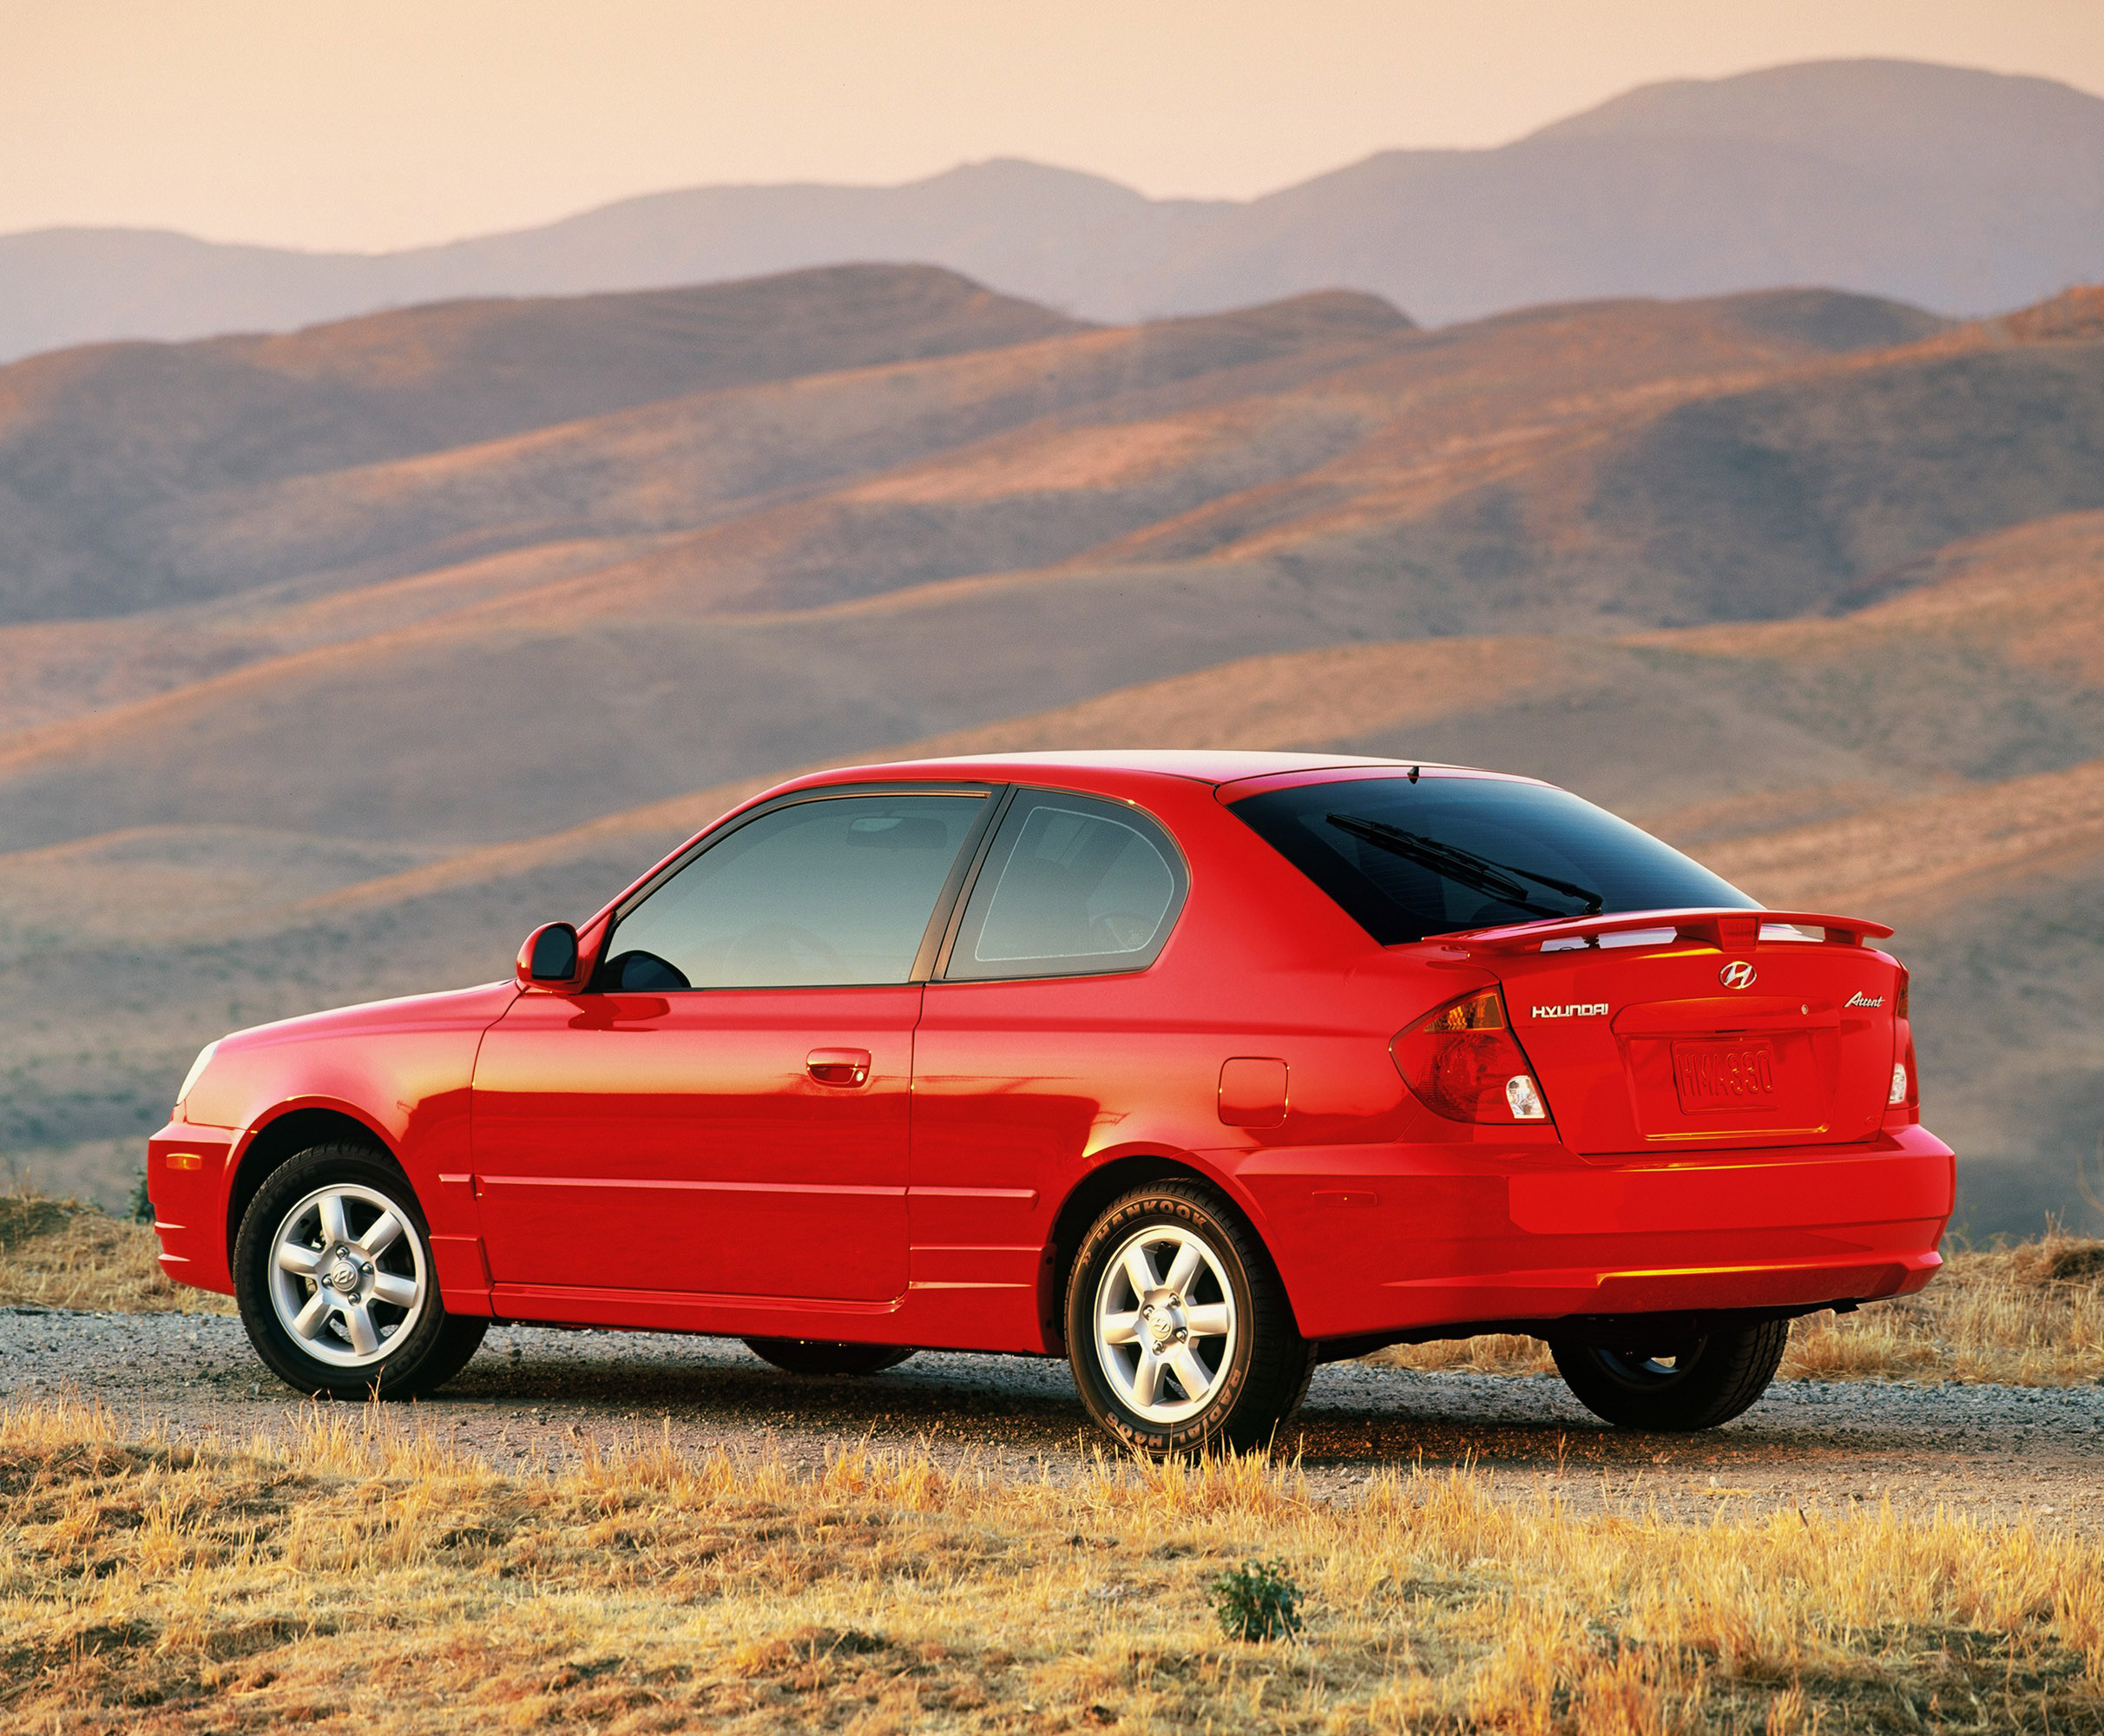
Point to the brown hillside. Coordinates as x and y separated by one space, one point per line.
1751 745
1313 473
1831 615
97 445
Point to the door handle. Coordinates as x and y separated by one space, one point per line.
847 1067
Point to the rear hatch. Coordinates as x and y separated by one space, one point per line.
1659 1032
1660 1007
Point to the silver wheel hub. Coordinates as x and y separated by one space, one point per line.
349 1276
1165 1323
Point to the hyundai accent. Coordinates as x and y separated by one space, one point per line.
1198 1069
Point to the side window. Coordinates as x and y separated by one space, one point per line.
838 890
1073 886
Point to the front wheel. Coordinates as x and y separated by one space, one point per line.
1178 1329
826 1356
1678 1387
333 1272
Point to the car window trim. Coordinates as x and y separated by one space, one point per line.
1011 794
956 885
954 918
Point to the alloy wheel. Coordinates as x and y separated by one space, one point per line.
1165 1323
349 1278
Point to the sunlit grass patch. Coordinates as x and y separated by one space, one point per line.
2030 1314
362 1570
1491 1354
59 1253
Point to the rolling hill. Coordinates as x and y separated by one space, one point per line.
1810 582
1962 191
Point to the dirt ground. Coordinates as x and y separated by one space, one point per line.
535 1395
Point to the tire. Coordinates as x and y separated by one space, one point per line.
1215 1318
826 1356
1708 1381
414 1344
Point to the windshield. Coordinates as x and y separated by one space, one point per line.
1405 859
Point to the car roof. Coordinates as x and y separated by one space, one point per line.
1201 765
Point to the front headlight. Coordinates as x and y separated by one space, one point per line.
190 1079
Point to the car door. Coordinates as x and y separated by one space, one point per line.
726 1110
1045 1028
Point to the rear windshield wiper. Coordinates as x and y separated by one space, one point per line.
1465 867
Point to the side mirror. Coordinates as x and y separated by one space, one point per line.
548 959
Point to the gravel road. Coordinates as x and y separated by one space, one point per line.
534 1395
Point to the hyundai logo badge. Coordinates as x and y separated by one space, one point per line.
1736 975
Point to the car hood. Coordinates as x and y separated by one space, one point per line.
449 1009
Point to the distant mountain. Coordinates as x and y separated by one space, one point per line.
1960 191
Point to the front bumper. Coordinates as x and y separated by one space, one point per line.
186 1180
1392 1240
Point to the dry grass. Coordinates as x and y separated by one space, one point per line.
2031 1314
359 1573
59 1253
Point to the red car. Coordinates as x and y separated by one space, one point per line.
1196 1069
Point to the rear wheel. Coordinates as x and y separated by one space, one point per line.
1178 1329
333 1272
1696 1383
826 1356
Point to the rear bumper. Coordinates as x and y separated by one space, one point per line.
1395 1240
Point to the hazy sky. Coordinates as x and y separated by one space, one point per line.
379 123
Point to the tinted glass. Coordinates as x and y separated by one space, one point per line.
1072 887
838 890
1406 860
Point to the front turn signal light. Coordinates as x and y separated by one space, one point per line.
1465 1063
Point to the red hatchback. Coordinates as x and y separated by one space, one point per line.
1197 1068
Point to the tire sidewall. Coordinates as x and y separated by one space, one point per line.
1138 1211
254 1250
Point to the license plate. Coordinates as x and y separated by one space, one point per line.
1724 1076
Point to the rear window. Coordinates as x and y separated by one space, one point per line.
1405 859
1072 887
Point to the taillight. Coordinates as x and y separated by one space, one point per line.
1464 1062
1906 1095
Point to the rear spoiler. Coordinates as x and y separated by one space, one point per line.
1721 928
